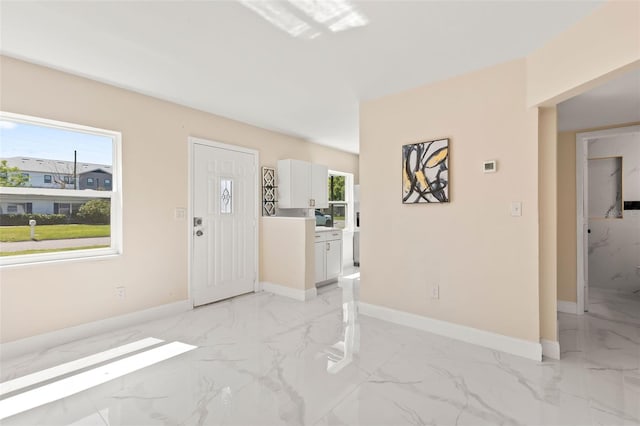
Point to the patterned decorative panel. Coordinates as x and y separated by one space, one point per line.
269 194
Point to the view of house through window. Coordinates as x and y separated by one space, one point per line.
336 215
56 192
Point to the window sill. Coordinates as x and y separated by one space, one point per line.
30 260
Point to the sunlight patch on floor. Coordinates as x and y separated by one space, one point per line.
82 381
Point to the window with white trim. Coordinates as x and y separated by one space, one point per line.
40 165
339 214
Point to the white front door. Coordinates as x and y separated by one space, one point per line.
224 223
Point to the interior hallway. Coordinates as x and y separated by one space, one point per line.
264 359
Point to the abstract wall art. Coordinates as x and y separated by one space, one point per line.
425 172
269 187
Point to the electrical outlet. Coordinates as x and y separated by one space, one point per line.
121 292
435 292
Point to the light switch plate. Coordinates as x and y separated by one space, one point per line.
180 213
516 208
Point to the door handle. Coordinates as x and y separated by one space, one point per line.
199 233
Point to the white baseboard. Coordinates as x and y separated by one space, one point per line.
292 293
511 345
567 307
550 348
59 337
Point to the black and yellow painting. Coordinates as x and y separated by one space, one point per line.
425 172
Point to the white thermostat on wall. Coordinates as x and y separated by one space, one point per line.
489 166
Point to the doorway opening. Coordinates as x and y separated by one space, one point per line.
598 228
608 224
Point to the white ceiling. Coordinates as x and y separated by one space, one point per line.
221 57
615 102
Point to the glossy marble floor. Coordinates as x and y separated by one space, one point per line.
266 360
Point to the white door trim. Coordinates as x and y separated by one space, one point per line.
582 169
192 141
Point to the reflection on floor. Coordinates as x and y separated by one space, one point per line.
614 305
263 359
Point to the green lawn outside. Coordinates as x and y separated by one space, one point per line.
53 232
18 253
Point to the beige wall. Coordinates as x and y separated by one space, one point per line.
485 261
478 279
567 215
547 177
47 297
287 252
602 45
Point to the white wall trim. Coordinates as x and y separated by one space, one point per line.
581 240
292 293
567 307
550 348
511 345
59 337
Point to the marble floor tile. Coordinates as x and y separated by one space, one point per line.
614 305
263 359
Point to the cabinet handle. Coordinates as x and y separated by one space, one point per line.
328 246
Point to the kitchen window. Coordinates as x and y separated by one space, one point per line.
55 153
339 214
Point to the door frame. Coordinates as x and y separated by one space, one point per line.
582 188
192 141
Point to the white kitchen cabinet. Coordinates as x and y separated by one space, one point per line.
333 263
321 262
328 255
302 185
320 186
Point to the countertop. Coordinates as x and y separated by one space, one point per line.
287 218
326 229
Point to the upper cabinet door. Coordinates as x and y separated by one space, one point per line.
302 185
319 185
294 178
